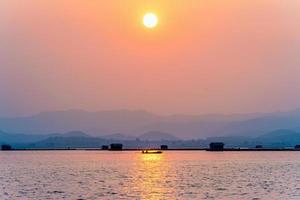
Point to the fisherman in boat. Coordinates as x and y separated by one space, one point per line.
151 151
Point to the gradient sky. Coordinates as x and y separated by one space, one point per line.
221 56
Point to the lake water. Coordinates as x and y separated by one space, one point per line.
132 175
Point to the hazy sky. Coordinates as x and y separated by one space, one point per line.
204 57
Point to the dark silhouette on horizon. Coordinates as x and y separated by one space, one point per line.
164 147
116 147
6 147
216 146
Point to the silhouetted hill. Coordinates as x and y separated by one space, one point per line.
157 136
95 123
15 138
264 124
132 123
68 142
74 134
279 138
118 136
20 138
279 134
275 139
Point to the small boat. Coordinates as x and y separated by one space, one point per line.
151 151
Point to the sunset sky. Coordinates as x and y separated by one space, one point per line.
204 56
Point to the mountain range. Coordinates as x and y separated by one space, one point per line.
76 139
127 123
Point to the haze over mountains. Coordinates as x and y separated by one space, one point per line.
76 139
140 128
135 123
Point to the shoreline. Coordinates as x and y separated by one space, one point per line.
140 149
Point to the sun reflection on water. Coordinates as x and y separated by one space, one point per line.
151 175
151 157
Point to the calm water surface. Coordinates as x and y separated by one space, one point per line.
132 175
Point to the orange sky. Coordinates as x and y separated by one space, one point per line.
205 56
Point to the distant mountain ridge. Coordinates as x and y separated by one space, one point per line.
281 137
119 136
94 123
134 123
16 138
27 138
76 139
157 136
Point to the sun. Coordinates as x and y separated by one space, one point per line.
150 20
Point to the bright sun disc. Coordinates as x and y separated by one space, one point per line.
150 20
